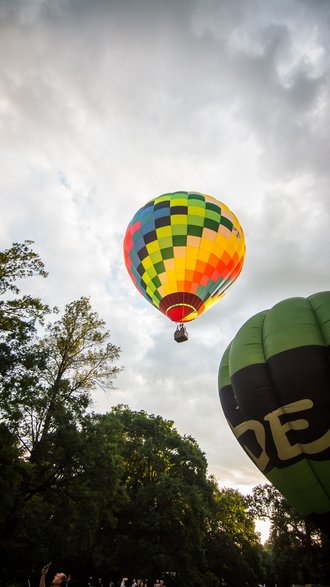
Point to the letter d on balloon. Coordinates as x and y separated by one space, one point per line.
259 431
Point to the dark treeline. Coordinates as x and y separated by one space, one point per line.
122 493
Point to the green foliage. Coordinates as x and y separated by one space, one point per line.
234 553
79 357
17 263
164 522
298 551
45 385
20 356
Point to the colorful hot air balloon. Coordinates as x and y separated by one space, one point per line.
274 386
183 250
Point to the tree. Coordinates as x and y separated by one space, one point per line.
17 263
79 357
46 379
73 356
52 398
19 316
233 550
64 520
298 550
162 527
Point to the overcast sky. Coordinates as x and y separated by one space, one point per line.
105 104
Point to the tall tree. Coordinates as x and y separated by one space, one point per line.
17 263
233 549
162 527
298 550
19 316
46 379
80 356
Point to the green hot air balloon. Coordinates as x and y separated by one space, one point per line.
274 386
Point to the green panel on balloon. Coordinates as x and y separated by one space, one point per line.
301 485
292 323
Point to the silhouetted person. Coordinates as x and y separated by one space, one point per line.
59 580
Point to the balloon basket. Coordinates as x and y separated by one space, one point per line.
181 334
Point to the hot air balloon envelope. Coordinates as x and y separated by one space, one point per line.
274 386
183 250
